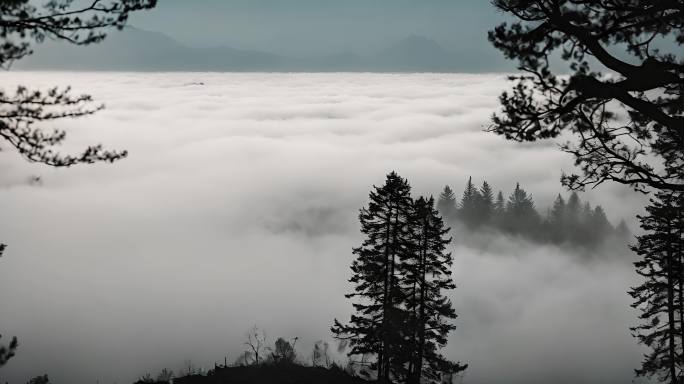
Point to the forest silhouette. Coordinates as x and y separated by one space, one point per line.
568 222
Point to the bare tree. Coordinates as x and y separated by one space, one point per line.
256 341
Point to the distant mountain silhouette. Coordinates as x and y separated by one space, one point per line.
137 50
416 53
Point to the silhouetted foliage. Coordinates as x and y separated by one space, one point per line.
400 274
375 328
426 276
8 352
40 380
145 379
661 296
273 374
283 351
623 98
23 23
165 376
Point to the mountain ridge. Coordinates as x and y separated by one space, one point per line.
135 49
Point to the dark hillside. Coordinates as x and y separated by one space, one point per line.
272 373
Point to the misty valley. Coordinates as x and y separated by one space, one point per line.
300 192
514 238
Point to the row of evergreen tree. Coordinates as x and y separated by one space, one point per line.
661 295
400 276
566 222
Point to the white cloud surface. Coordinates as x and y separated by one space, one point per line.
237 206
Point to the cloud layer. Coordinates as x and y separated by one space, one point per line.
237 206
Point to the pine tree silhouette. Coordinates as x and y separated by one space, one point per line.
375 328
659 297
427 278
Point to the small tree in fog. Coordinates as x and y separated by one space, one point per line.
256 341
660 296
521 215
499 210
556 220
40 380
165 376
319 355
468 210
446 203
283 351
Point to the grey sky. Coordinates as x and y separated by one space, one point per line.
322 26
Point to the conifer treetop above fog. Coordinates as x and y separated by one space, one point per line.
569 221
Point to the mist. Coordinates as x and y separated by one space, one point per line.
238 207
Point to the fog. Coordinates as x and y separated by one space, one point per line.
238 207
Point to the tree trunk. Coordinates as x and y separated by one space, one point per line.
671 309
383 327
680 279
421 318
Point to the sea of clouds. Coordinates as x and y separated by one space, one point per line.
238 207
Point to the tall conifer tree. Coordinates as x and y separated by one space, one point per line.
427 278
375 327
659 297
